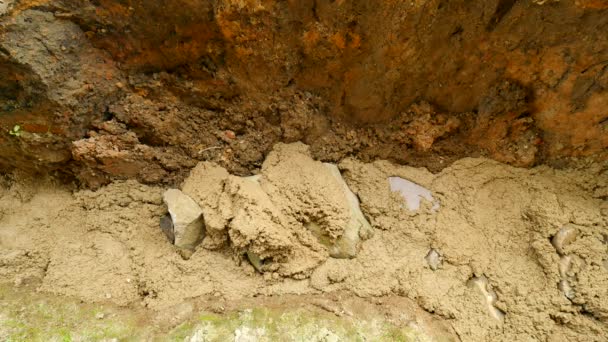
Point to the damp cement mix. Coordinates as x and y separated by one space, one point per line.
484 255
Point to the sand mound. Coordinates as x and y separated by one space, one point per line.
493 238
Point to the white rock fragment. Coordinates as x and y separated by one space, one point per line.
565 263
357 228
565 236
254 178
412 193
433 259
481 284
187 218
565 287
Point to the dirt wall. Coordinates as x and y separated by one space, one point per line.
145 90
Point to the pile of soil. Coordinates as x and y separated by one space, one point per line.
495 223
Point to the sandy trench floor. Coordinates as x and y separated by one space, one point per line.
497 274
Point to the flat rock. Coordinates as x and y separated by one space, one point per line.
356 229
412 193
187 218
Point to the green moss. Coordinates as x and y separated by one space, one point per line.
33 317
30 317
290 325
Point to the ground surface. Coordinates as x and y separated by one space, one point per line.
495 222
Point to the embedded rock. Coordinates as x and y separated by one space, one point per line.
412 193
187 218
565 236
166 225
357 228
482 285
433 259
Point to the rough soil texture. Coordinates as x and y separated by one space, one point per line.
145 90
495 222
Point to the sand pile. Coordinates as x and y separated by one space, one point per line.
485 254
286 220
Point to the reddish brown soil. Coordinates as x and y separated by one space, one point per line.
145 90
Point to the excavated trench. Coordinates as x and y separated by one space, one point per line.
259 170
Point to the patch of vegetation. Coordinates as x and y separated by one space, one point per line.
27 316
30 317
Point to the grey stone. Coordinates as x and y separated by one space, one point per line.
433 259
255 261
188 225
166 225
565 287
357 228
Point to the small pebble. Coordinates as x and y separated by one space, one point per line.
482 285
565 236
433 259
565 287
565 265
100 315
